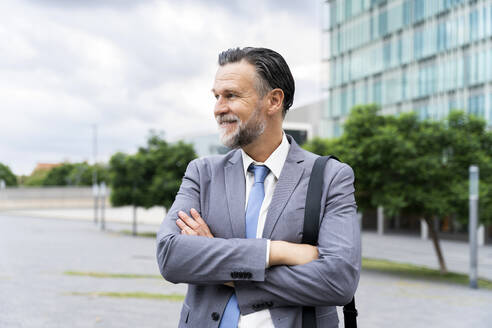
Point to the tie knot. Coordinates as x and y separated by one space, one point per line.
260 172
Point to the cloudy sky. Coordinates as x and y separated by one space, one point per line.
129 67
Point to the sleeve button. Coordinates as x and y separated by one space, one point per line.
215 316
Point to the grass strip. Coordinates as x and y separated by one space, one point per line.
420 272
147 234
141 295
112 275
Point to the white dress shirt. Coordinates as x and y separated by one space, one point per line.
263 319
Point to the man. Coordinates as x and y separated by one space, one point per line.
234 231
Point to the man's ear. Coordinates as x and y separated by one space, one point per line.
275 100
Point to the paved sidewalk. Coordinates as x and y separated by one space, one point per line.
411 249
34 292
400 248
124 214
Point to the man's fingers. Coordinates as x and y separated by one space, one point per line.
181 224
189 221
203 225
198 218
195 226
185 230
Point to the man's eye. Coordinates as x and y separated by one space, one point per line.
230 95
216 97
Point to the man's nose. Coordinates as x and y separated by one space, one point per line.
221 106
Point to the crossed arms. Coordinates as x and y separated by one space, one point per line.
298 274
281 252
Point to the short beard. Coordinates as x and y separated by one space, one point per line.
245 133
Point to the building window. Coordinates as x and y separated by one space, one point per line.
418 43
377 92
423 112
337 129
333 13
348 9
476 105
404 85
387 54
474 25
441 36
418 10
300 136
383 23
407 15
395 18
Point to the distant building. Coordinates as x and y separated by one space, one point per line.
407 55
305 122
45 166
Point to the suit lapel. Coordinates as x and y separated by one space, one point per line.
287 182
235 188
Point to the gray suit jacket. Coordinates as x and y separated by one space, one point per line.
215 186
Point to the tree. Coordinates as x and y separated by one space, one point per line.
415 167
81 174
7 175
58 176
151 177
68 174
170 162
35 179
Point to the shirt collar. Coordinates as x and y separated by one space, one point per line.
275 162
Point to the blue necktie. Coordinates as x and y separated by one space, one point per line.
230 318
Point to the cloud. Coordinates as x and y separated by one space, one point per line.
66 65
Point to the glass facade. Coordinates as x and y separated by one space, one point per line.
425 56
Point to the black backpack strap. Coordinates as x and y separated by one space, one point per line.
310 236
313 202
350 314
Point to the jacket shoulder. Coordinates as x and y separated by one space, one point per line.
214 161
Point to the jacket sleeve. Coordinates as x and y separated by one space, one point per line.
202 260
331 279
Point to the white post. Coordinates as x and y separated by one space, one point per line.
102 188
380 220
473 224
424 230
95 194
2 189
481 235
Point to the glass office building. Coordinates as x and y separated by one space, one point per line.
427 56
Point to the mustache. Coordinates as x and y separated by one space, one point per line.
226 118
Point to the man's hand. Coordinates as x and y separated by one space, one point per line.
285 253
194 226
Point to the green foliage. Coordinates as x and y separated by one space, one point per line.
7 175
82 174
58 176
35 179
74 174
67 174
412 166
152 176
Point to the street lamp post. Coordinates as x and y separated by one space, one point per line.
94 172
473 224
